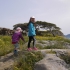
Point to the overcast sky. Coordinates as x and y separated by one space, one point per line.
19 11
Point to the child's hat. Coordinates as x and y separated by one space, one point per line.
32 17
18 29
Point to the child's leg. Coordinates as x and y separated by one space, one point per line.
34 41
16 46
30 39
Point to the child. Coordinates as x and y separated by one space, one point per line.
15 39
31 33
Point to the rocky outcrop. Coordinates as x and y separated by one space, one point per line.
46 43
53 43
51 62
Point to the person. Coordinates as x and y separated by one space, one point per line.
15 39
31 33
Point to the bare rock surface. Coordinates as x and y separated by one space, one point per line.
51 62
6 62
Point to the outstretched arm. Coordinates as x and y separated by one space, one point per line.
22 37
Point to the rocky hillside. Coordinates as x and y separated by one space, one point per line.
51 57
50 61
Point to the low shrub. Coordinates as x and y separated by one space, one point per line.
27 61
66 58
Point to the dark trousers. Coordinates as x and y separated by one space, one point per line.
30 39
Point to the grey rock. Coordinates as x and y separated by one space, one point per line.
50 62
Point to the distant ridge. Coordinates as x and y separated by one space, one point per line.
67 36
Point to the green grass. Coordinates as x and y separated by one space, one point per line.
27 61
57 38
7 47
